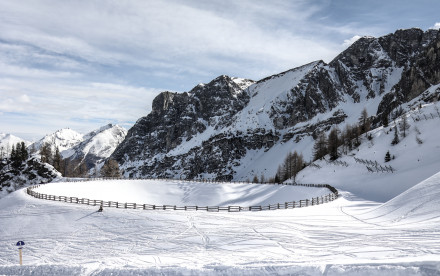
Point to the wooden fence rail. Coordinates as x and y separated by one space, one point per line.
125 205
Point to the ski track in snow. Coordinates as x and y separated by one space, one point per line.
326 236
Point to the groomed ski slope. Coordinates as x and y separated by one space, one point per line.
349 236
183 193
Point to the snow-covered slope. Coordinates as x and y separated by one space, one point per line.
415 205
417 157
96 145
7 141
343 237
63 139
266 94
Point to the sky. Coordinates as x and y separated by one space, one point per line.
82 64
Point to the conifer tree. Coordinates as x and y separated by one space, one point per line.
57 159
396 137
333 143
388 156
2 152
12 156
385 120
18 155
24 154
17 151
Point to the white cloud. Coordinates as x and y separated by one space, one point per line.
350 41
181 35
26 72
90 59
436 26
24 99
82 107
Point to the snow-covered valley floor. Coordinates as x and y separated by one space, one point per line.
349 236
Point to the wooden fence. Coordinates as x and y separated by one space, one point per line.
374 166
125 205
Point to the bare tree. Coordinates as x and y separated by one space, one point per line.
111 169
404 126
320 147
364 121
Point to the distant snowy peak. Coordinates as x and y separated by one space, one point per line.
103 141
64 139
97 131
9 140
97 145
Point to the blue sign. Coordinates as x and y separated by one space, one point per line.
20 244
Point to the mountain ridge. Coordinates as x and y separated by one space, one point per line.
96 146
206 133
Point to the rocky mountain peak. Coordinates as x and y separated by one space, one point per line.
223 86
168 101
215 128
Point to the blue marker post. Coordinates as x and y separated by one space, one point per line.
20 245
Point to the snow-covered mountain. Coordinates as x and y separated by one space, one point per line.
225 130
6 143
64 139
96 146
89 150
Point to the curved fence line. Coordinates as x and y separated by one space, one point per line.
125 205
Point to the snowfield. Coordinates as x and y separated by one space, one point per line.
182 193
348 236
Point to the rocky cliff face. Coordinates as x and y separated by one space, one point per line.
234 128
401 66
178 117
